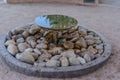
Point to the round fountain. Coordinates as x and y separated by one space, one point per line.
54 46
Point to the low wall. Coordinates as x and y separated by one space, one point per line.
36 1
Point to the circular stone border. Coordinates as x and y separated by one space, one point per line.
55 72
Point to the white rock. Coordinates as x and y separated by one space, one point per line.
64 61
20 40
81 43
82 60
74 61
37 51
68 53
34 29
55 50
56 57
40 64
30 38
25 57
25 34
29 50
33 44
52 63
9 42
44 57
35 55
42 46
91 49
90 42
22 46
12 49
87 58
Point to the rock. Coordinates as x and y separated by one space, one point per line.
74 61
14 37
66 36
98 41
52 63
32 43
34 29
91 49
30 38
17 55
29 50
9 36
64 61
9 42
37 51
77 51
82 32
81 43
25 57
51 36
83 49
74 34
74 39
87 57
38 36
44 57
46 33
99 47
44 51
64 31
25 34
91 33
59 34
56 50
68 45
82 60
42 41
41 46
92 56
100 51
22 46
90 42
19 30
35 55
18 36
61 42
39 64
20 40
12 49
52 45
89 37
97 55
56 57
72 30
68 53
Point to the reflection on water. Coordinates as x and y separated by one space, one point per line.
55 21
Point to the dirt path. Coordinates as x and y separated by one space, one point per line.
103 19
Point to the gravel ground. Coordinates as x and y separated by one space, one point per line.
106 20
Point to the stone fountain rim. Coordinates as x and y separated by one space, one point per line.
55 72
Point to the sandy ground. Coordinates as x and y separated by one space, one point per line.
106 20
111 2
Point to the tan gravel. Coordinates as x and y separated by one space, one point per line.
103 19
